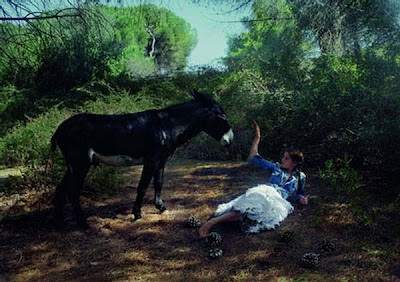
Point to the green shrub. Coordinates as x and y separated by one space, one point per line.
341 176
28 144
15 105
103 180
202 147
118 101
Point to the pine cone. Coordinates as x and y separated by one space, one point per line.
193 221
310 260
215 253
214 239
327 246
287 237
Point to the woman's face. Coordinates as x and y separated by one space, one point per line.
287 162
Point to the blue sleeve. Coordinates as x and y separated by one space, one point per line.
264 164
301 191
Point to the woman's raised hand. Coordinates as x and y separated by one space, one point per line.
257 130
256 141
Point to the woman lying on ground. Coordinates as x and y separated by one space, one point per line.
264 206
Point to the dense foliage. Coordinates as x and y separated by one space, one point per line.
320 75
156 40
62 53
306 92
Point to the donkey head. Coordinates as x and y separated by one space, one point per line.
215 122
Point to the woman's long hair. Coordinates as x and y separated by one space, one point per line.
298 157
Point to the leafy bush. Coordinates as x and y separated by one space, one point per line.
341 176
74 61
202 147
331 113
103 180
28 144
59 53
118 101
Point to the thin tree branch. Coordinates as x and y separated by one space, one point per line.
31 16
237 8
258 20
27 18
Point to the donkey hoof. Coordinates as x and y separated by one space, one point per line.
59 224
84 225
136 213
162 208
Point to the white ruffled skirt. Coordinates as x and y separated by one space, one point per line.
262 207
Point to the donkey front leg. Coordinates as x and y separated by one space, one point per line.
147 174
158 182
77 179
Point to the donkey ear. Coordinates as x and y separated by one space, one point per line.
195 93
205 98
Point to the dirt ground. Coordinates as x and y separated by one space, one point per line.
160 247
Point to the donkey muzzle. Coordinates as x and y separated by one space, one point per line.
227 138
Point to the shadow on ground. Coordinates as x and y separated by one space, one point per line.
160 247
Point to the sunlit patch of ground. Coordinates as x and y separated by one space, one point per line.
160 247
13 203
5 172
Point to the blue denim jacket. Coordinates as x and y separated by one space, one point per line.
278 176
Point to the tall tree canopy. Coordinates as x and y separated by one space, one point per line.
53 44
66 47
343 27
327 69
283 34
156 40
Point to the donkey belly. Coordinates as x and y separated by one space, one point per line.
116 160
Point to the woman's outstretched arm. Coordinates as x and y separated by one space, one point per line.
256 141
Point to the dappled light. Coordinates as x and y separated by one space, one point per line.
321 76
341 215
162 246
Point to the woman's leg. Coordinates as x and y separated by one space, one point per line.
227 217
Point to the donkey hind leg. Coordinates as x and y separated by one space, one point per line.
78 176
147 174
61 199
158 182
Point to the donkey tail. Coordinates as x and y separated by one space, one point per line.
53 141
49 163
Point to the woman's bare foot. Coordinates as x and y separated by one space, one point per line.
203 231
